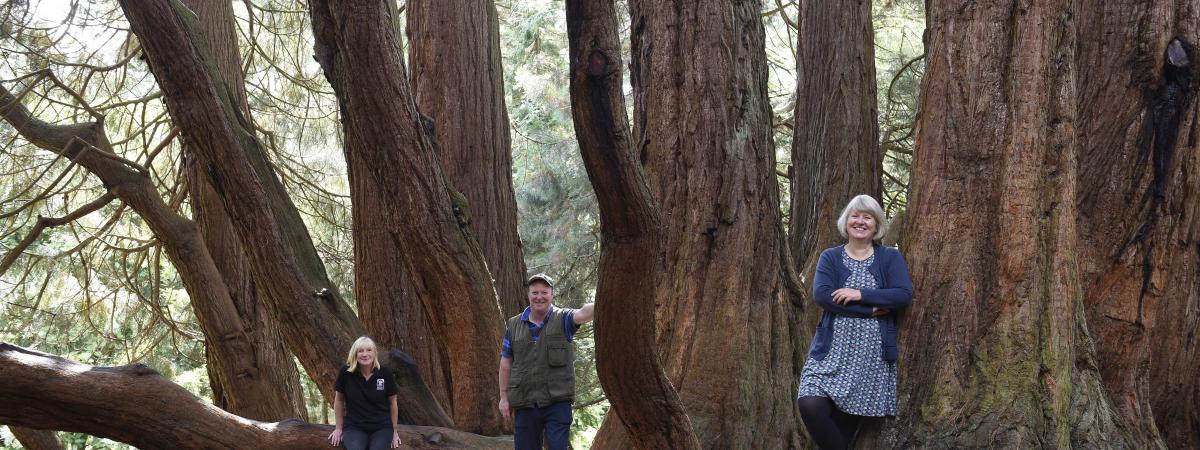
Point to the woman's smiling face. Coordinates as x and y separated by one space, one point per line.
860 225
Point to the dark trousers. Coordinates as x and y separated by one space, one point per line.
554 419
357 439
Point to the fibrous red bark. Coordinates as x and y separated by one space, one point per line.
835 141
458 82
631 238
136 405
1138 217
995 348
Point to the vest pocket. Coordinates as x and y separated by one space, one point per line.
558 354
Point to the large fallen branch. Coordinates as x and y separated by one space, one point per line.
136 405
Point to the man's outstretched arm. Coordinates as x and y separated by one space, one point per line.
584 315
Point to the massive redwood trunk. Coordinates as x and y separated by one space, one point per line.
429 222
703 131
316 323
275 393
458 82
136 405
995 349
631 238
1139 180
835 143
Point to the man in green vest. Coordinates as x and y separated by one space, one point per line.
537 367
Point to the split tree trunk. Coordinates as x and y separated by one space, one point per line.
429 222
458 81
703 132
136 405
995 348
276 393
1138 215
631 238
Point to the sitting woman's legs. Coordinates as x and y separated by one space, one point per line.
818 414
381 439
354 438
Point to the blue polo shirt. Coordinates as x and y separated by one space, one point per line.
535 329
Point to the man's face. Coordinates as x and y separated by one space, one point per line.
540 296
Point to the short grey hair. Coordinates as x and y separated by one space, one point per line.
867 204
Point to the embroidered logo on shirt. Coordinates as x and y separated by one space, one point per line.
379 384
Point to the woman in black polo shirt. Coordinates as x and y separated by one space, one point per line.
365 402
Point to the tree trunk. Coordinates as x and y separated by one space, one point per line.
835 143
631 238
389 309
136 405
276 394
457 80
703 121
428 221
33 439
317 325
1138 214
995 349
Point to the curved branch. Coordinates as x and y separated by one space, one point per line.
632 237
49 222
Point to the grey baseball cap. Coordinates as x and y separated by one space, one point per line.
541 276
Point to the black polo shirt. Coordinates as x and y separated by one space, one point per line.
367 406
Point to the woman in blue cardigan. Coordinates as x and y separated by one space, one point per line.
851 367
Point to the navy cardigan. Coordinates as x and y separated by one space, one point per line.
894 293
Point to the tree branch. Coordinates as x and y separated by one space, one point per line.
49 222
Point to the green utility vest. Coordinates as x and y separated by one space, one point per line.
543 372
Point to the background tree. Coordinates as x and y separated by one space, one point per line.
835 145
447 45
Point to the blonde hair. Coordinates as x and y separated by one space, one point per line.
864 203
359 344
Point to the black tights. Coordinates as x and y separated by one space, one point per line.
829 427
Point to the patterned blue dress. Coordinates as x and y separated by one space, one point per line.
854 374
